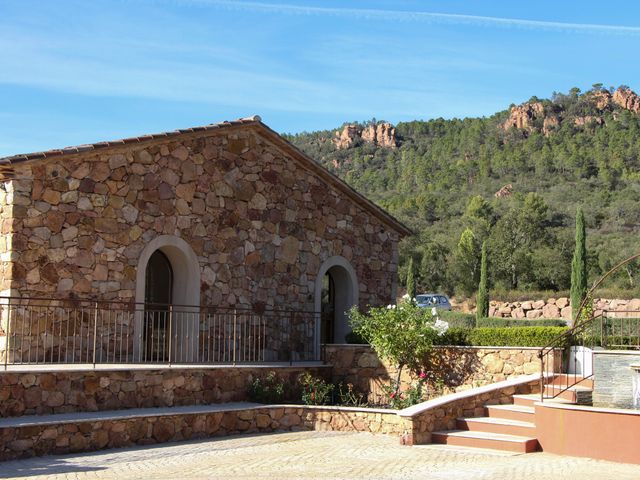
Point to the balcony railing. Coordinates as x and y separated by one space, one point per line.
53 331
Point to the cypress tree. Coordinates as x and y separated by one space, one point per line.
411 280
482 300
579 266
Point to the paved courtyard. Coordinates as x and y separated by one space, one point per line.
325 455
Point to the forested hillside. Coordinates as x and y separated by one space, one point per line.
545 158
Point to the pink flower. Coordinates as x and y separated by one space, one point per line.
422 375
393 395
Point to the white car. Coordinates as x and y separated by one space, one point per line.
431 300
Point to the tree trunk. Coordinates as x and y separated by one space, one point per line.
397 389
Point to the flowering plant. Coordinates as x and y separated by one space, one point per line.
401 334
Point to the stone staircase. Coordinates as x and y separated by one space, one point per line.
511 427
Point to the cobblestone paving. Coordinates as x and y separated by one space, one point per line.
321 455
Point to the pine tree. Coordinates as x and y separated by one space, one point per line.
579 266
411 280
482 300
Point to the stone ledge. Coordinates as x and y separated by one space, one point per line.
454 397
106 367
81 432
109 415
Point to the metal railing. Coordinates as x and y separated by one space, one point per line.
620 330
572 368
54 331
606 329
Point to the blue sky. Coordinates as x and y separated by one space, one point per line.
75 72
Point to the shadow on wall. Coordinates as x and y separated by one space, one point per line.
454 368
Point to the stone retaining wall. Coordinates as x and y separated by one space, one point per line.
39 393
453 368
82 436
412 425
557 308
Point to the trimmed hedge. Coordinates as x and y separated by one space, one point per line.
468 320
501 337
458 319
533 336
496 322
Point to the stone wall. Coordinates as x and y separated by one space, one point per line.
64 391
457 368
259 222
53 437
613 387
412 425
558 308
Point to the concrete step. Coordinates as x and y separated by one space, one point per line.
497 425
526 400
496 441
570 379
574 394
511 412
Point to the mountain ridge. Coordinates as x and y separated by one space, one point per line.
572 149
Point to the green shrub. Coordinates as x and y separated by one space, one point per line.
496 322
468 320
269 389
457 336
458 319
315 391
347 397
515 336
501 337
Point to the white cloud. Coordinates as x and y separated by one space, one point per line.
419 16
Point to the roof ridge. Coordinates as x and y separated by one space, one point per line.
86 147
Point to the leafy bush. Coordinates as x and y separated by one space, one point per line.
315 391
269 389
411 396
348 398
501 337
401 334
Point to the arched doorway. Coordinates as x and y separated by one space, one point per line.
158 293
168 273
328 309
336 292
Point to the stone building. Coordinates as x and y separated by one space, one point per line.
229 215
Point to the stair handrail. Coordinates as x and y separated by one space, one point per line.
579 326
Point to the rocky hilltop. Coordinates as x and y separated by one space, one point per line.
381 134
547 116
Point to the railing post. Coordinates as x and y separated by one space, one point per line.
7 344
170 333
95 334
291 338
235 324
541 356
